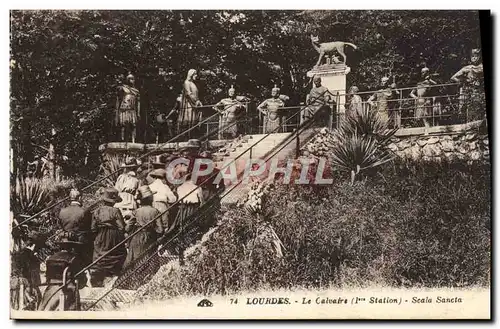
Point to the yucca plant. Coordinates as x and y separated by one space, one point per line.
110 168
355 153
361 143
368 123
30 196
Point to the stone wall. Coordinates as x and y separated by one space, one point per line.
462 142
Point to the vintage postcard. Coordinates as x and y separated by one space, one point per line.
250 164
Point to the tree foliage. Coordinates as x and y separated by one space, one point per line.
65 65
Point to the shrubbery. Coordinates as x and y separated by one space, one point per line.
409 225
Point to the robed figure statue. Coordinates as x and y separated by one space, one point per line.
190 102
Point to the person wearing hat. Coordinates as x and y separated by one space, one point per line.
127 107
423 101
78 220
147 220
61 269
471 82
25 274
230 109
109 227
190 199
157 163
382 97
163 196
127 185
270 109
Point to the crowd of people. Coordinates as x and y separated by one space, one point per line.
141 208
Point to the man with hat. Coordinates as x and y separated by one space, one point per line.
472 84
157 163
78 220
61 270
127 185
163 196
148 222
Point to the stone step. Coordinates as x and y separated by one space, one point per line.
258 136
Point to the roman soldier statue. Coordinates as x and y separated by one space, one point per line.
230 109
127 108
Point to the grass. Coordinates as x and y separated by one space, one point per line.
408 225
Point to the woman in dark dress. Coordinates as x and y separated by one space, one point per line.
108 223
147 219
190 198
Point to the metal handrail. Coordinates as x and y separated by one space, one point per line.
195 216
109 175
207 180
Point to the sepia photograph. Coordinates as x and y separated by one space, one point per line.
250 164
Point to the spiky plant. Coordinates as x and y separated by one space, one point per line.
355 153
361 143
30 196
110 168
368 123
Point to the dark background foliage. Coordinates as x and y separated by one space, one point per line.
65 65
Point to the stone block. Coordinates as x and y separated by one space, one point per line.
393 147
447 145
432 150
422 141
432 140
463 148
470 136
475 155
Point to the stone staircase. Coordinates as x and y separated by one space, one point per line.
262 148
257 147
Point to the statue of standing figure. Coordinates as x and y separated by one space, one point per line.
189 114
270 108
424 102
472 84
127 108
230 109
382 100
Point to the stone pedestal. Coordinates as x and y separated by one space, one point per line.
333 77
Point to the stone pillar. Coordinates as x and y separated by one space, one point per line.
333 77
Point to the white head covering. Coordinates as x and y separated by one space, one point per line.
190 74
